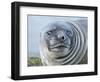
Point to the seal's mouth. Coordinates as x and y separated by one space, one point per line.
59 46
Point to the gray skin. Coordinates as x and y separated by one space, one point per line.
63 43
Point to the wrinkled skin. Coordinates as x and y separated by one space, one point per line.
60 43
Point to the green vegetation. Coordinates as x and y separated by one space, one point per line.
34 61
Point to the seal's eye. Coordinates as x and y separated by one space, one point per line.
49 33
69 33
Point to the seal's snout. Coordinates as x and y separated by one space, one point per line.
61 36
58 38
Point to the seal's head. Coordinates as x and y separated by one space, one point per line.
56 39
62 43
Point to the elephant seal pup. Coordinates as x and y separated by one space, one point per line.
63 43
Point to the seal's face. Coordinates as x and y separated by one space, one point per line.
62 43
58 38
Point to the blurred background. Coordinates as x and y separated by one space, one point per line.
35 25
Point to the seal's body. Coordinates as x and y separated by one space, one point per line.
63 43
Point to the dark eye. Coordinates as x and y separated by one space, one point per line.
49 33
69 33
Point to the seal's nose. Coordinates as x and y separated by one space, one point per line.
61 36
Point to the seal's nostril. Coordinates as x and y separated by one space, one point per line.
62 37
